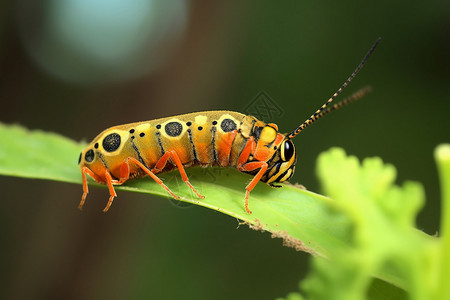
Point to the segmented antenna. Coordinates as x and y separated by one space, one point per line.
322 110
355 96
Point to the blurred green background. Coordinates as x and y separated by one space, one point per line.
76 67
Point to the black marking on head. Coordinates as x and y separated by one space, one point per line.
79 158
158 136
275 167
194 151
173 129
111 142
284 174
96 146
214 122
188 123
89 156
142 134
131 131
281 176
257 132
158 126
200 128
228 125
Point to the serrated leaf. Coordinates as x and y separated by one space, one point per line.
383 241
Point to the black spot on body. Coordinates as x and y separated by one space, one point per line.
173 129
200 128
158 126
89 156
214 122
96 146
111 142
188 123
131 131
142 134
132 137
228 125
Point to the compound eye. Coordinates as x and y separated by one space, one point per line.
287 150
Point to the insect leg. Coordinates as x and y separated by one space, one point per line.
153 176
262 165
112 192
85 171
248 148
162 163
124 173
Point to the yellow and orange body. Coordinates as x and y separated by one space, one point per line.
210 138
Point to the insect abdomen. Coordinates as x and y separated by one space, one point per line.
204 138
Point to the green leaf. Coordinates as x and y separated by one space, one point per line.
365 231
38 154
305 220
383 241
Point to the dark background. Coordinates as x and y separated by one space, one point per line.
204 55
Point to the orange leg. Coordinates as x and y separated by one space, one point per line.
85 171
109 182
124 176
262 165
152 175
248 148
162 163
112 192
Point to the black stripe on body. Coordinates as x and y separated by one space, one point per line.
213 143
158 136
103 160
106 165
139 154
281 175
194 151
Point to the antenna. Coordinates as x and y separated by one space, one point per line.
323 111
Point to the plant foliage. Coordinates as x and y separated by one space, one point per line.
362 236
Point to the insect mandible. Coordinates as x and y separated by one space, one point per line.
209 138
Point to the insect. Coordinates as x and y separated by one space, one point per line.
222 138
